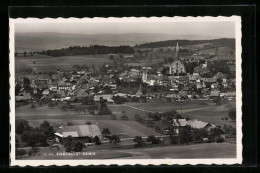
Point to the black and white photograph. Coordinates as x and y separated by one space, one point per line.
102 91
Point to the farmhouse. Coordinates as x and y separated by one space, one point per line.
79 131
200 125
23 97
178 124
214 94
107 97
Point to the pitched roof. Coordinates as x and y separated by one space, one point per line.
219 75
214 93
80 131
179 122
197 124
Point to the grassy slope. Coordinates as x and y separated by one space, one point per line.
198 151
47 63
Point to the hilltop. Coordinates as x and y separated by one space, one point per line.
51 40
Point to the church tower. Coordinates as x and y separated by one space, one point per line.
144 75
177 51
177 67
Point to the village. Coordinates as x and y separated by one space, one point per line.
86 90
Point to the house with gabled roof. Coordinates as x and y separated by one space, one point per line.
178 124
79 131
23 97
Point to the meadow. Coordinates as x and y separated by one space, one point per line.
198 151
47 63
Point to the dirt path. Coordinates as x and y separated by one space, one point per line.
178 110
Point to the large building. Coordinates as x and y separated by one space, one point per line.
177 67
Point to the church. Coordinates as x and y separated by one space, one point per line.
177 67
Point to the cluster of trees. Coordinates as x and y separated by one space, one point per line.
103 109
93 49
232 114
229 130
168 115
215 67
140 142
73 146
187 135
169 43
189 67
23 70
34 137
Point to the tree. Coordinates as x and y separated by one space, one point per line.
216 133
96 140
199 134
96 89
21 126
104 110
64 107
115 139
92 109
174 139
232 114
25 137
124 117
78 146
152 139
139 141
20 152
217 100
51 105
45 124
185 135
107 90
17 89
70 124
88 101
111 57
88 123
106 132
189 67
69 144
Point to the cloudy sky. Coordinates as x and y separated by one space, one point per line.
219 29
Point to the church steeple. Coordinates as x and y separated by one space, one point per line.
177 51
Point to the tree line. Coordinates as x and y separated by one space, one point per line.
217 42
93 49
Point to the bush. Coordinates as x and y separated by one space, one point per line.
97 140
78 146
174 139
32 106
88 123
185 135
220 140
124 117
113 116
51 105
232 114
20 153
30 152
70 124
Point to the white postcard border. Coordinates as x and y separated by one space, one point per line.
219 161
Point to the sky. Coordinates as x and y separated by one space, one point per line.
219 29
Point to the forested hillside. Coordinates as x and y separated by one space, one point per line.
217 42
94 49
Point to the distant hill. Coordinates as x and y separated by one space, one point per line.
222 42
44 41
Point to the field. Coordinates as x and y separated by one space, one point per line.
48 63
119 127
201 110
198 151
